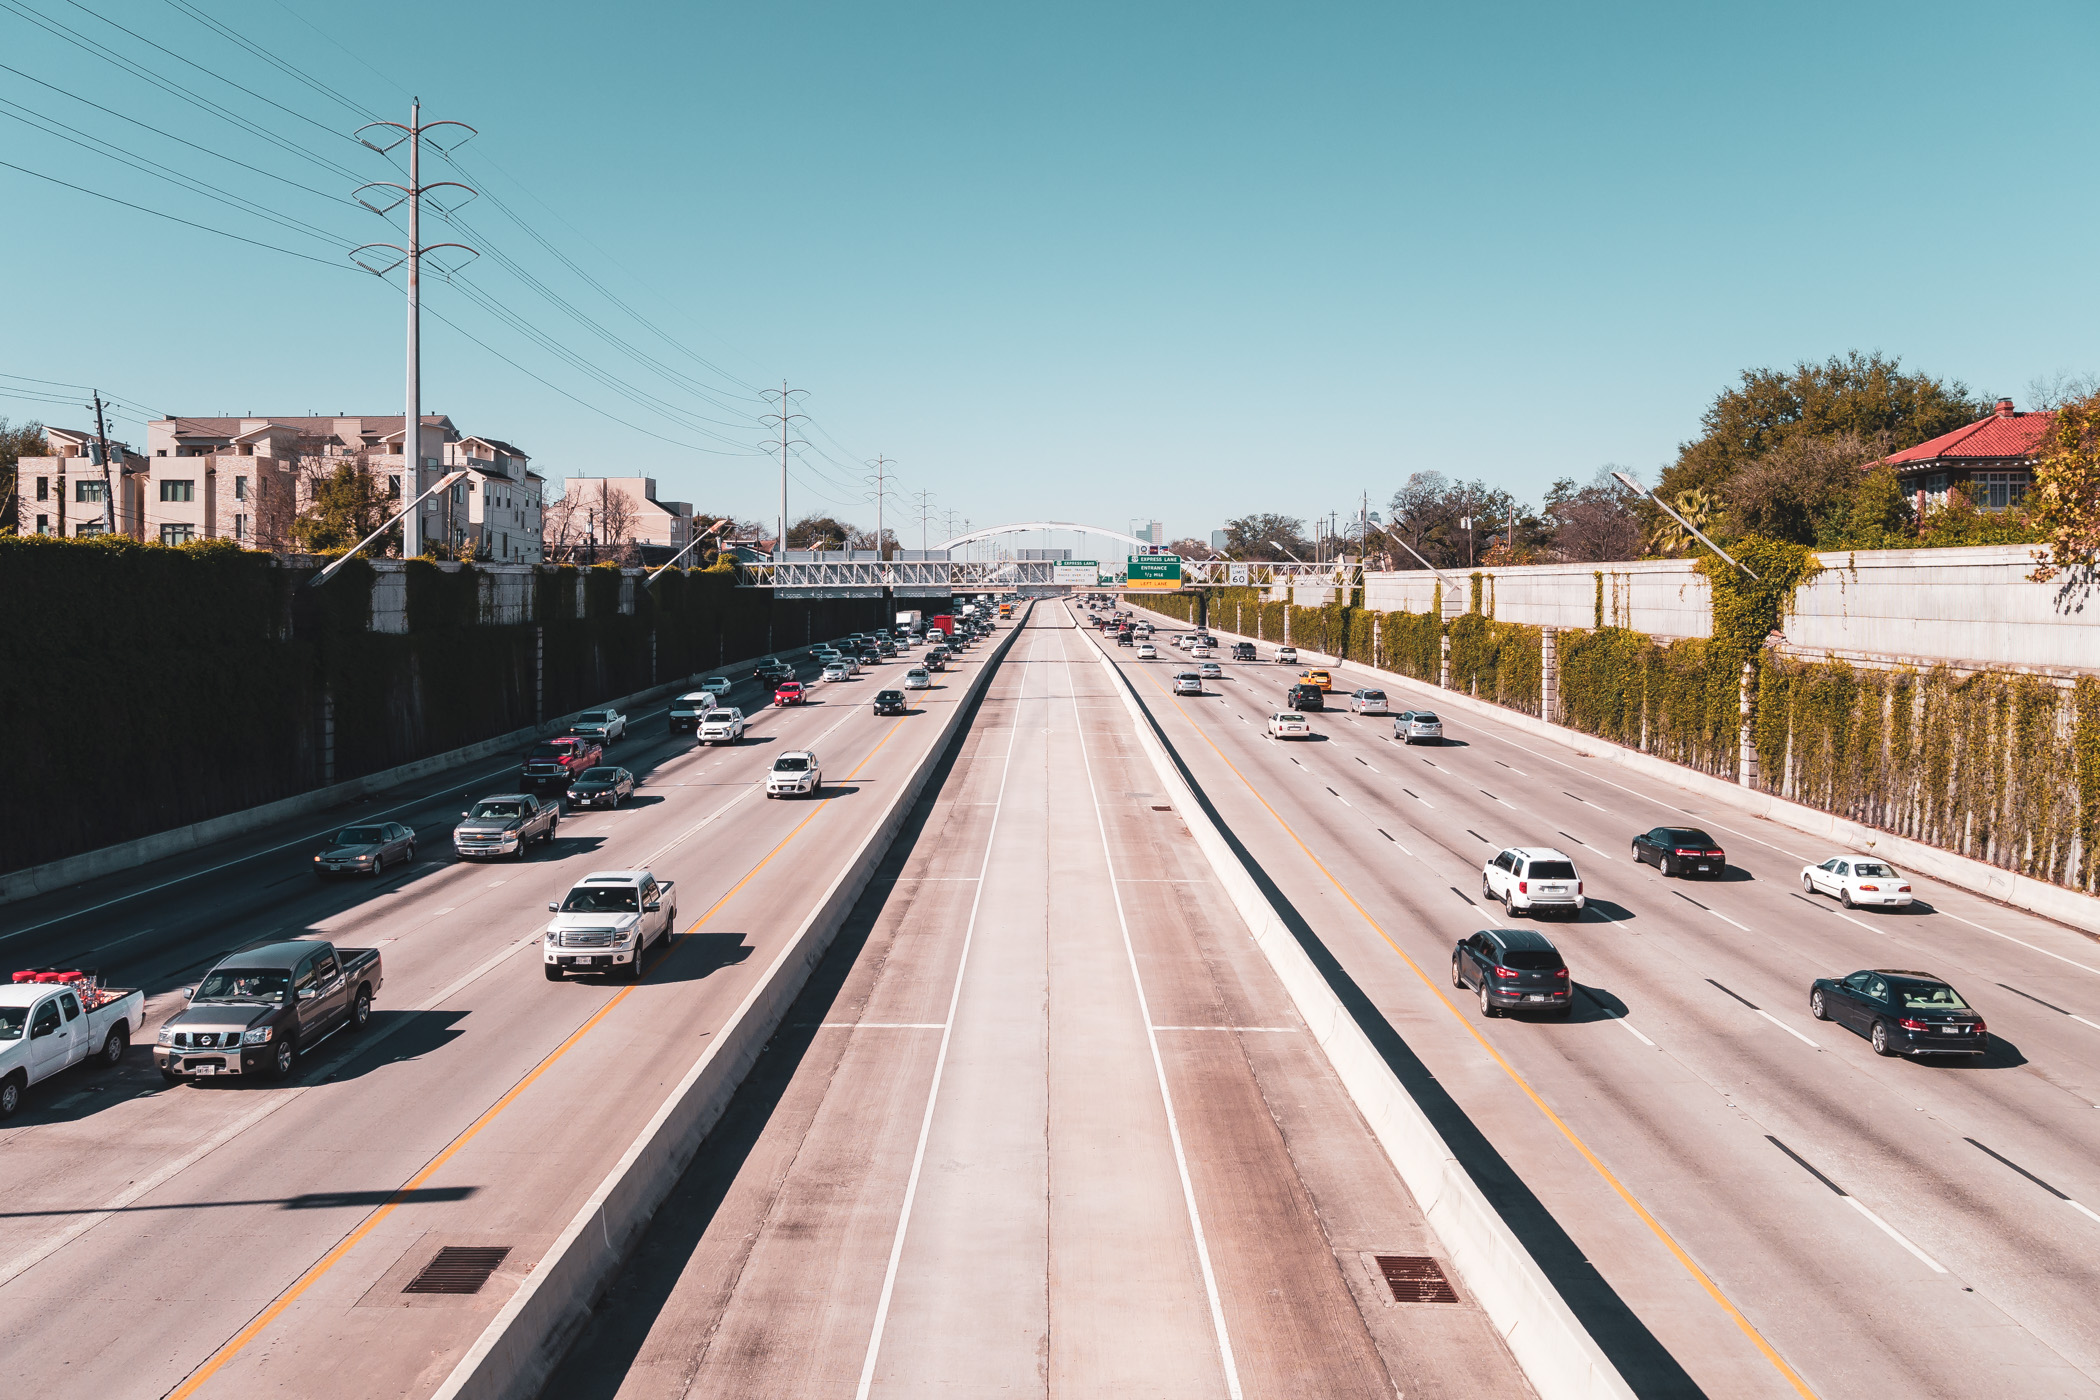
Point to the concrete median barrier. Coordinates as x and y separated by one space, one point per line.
521 1345
1558 1355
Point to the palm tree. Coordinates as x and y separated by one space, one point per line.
1699 506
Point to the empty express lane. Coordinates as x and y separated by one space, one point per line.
1047 1124
519 1092
1798 1171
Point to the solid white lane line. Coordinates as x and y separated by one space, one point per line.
1621 1020
1166 1096
940 1065
1893 1233
2022 942
1264 1030
882 1025
1788 1029
1726 920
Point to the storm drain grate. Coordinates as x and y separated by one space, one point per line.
1162 809
458 1269
1416 1278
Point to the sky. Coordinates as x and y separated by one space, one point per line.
1082 262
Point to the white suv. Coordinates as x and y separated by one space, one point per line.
724 726
794 773
1533 879
1286 656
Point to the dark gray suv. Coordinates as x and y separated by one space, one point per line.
1514 969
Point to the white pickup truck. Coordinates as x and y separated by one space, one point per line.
48 1026
607 922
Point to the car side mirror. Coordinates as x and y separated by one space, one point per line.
651 907
464 814
189 993
553 907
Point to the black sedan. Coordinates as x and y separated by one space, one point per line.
891 702
601 787
366 850
1680 850
1902 1013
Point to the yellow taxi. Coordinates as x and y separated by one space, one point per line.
1322 679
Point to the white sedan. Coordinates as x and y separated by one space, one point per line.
1147 652
1289 724
838 671
917 679
1857 880
1211 671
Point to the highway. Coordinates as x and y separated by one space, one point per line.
1043 1123
244 1238
1769 1208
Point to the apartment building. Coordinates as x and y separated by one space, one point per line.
630 504
497 509
63 491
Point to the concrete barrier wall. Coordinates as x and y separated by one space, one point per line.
522 1344
1559 1357
2081 911
1972 608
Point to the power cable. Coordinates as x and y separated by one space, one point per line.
162 214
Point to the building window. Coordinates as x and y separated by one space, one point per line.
87 492
240 527
178 490
43 488
2000 490
240 488
160 451
43 524
177 534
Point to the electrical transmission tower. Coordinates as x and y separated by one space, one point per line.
925 500
880 481
785 421
412 255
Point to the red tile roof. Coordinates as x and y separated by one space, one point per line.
2005 436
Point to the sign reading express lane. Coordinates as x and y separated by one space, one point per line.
1085 572
1160 571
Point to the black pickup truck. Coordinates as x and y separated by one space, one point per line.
262 1008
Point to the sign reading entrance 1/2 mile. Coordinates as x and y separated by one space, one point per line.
1086 573
1160 571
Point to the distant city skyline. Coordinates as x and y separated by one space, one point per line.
1087 264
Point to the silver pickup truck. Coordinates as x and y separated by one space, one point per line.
49 1026
262 1008
607 922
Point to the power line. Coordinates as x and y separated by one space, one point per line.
160 214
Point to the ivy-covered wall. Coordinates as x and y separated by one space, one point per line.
144 687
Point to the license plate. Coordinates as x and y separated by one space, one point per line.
204 1069
1950 1030
1537 996
1706 867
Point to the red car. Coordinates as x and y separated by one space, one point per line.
789 693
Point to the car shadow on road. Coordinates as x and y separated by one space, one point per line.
410 1035
641 800
1596 1004
694 957
1603 911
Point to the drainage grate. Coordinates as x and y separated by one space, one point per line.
1416 1278
1162 809
458 1269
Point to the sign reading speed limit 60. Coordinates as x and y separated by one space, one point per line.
1156 571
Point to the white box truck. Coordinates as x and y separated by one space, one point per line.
909 620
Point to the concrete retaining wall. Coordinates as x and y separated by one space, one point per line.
522 1344
1559 1357
2080 911
1972 608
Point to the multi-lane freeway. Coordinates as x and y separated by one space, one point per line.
1769 1206
1044 1120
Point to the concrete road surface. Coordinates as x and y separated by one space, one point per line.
1772 1209
1044 1123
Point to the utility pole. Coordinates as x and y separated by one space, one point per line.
925 500
109 501
880 464
412 256
785 421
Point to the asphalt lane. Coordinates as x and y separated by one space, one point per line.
204 1238
1044 1122
1847 1223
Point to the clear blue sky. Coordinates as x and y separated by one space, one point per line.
1079 261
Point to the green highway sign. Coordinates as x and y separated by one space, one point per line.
1161 571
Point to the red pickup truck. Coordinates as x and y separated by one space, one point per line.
551 765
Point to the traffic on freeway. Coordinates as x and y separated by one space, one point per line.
1808 1143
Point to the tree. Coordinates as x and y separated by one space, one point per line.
820 532
2065 500
1190 548
1593 524
348 504
15 444
1257 537
1801 491
1698 508
1868 397
1427 512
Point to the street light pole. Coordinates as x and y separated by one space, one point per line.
443 483
1630 484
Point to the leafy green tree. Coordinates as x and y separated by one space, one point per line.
821 532
1801 491
1256 537
348 504
15 444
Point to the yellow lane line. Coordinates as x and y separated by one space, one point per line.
371 1222
1712 1289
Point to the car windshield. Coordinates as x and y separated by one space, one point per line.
791 764
600 775
1424 717
1928 996
360 836
12 1019
601 899
1531 959
1551 870
263 984
890 695
498 810
1373 695
1874 869
1687 836
543 753
720 716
